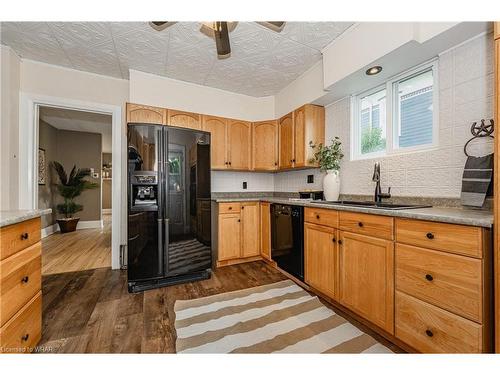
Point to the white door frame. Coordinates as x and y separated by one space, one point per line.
28 163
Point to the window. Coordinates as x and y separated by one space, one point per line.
405 120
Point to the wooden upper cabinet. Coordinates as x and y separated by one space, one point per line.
146 114
216 126
309 126
250 213
366 269
184 119
265 146
286 143
239 143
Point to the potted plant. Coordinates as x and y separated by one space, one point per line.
328 159
69 188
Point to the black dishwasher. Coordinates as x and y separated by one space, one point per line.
287 238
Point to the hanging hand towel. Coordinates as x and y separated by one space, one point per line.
476 180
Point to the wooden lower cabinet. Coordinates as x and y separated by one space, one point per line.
265 230
321 258
250 234
229 236
238 232
366 270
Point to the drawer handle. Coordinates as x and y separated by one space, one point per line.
25 279
25 337
317 217
360 224
429 277
229 208
430 236
24 236
429 333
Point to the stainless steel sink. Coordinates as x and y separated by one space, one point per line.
384 206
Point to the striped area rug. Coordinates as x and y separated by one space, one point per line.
275 318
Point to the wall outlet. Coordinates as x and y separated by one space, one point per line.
244 184
310 179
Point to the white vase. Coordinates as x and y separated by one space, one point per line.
331 185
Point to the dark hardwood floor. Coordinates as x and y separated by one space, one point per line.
92 312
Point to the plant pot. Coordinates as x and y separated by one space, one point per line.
331 185
68 225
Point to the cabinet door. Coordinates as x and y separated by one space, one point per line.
250 230
265 230
239 136
321 258
229 236
184 119
265 146
366 267
146 114
216 126
299 140
286 141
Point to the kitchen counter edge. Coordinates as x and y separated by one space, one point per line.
17 216
463 216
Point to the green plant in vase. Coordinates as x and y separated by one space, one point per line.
328 159
69 188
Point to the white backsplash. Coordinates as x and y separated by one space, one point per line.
294 181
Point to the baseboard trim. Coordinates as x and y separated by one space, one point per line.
51 229
91 224
107 210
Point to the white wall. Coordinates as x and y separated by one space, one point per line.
9 120
465 95
170 93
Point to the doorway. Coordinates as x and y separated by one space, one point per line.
77 141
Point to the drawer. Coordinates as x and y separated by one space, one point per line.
452 282
20 280
453 238
227 208
16 237
429 329
320 216
370 225
23 331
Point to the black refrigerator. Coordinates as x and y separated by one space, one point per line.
169 214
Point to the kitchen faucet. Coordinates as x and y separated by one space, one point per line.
378 191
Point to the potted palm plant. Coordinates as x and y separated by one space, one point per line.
69 188
328 159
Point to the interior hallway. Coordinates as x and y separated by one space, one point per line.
81 250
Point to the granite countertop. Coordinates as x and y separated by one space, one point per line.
465 216
16 216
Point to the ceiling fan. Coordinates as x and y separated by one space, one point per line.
219 30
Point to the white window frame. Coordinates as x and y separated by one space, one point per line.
392 114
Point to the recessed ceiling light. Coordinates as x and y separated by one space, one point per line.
374 70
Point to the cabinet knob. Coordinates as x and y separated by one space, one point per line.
293 160
239 220
229 163
429 277
429 333
360 224
229 208
25 337
429 235
225 163
242 207
334 240
317 217
25 279
340 242
24 236
275 163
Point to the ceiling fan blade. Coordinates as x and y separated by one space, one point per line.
221 35
273 25
160 25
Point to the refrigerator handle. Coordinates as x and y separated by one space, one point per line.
165 168
160 197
